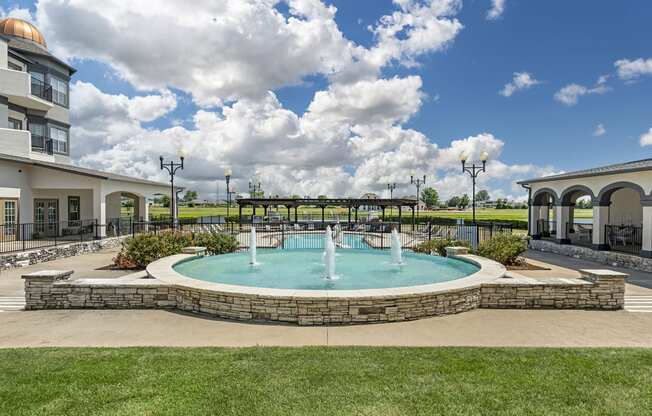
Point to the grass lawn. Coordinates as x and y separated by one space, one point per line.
325 381
481 214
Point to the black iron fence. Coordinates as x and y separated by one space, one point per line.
22 237
286 235
546 229
624 238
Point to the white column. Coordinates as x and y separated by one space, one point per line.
561 217
646 249
143 208
600 219
537 213
99 209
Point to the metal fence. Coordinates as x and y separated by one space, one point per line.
29 236
624 238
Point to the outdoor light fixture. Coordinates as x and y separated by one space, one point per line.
227 176
391 187
254 187
172 168
418 182
474 171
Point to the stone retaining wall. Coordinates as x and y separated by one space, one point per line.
611 258
54 290
27 258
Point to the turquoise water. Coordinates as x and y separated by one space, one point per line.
316 241
304 269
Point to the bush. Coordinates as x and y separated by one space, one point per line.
439 246
142 249
503 248
216 243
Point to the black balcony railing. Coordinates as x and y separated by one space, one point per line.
41 89
41 144
546 229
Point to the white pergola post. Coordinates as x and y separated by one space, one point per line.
600 219
143 208
562 216
646 246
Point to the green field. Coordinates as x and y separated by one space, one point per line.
481 214
325 381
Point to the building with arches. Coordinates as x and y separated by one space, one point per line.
38 183
620 197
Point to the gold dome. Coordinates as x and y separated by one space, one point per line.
21 29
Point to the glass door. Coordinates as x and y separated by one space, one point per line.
46 216
9 211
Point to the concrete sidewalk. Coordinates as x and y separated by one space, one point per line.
484 327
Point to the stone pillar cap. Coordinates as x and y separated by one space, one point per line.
193 250
48 274
456 251
602 273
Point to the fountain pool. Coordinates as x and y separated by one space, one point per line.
304 269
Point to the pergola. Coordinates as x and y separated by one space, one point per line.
353 204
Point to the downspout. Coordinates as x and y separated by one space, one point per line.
529 206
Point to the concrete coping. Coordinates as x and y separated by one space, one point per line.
196 250
456 251
602 274
51 275
163 270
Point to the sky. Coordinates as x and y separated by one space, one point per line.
340 97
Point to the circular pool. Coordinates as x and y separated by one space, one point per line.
303 269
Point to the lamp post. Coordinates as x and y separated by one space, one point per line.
227 176
391 187
254 187
474 171
418 182
172 168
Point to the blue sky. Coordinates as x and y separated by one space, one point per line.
557 43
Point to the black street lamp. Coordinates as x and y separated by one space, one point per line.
227 176
474 171
418 182
391 187
254 188
172 168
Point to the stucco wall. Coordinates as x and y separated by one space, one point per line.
626 208
61 195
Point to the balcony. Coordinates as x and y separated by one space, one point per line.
41 144
25 91
15 142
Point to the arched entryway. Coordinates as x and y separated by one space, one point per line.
618 218
542 217
576 202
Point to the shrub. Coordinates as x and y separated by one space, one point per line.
439 246
142 249
216 243
503 248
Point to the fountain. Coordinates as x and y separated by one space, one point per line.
397 256
252 246
329 253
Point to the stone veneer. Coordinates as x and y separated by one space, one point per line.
40 255
54 290
611 258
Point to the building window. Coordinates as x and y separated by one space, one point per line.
59 139
14 66
38 136
74 214
59 91
15 124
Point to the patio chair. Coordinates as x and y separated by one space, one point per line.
297 227
311 227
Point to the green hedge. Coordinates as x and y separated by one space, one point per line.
142 249
503 248
439 246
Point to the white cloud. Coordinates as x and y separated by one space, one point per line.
497 9
599 130
233 54
569 95
631 70
646 138
16 12
521 81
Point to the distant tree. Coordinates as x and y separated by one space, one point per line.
322 197
295 196
430 197
482 196
454 202
464 201
165 201
128 203
190 196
